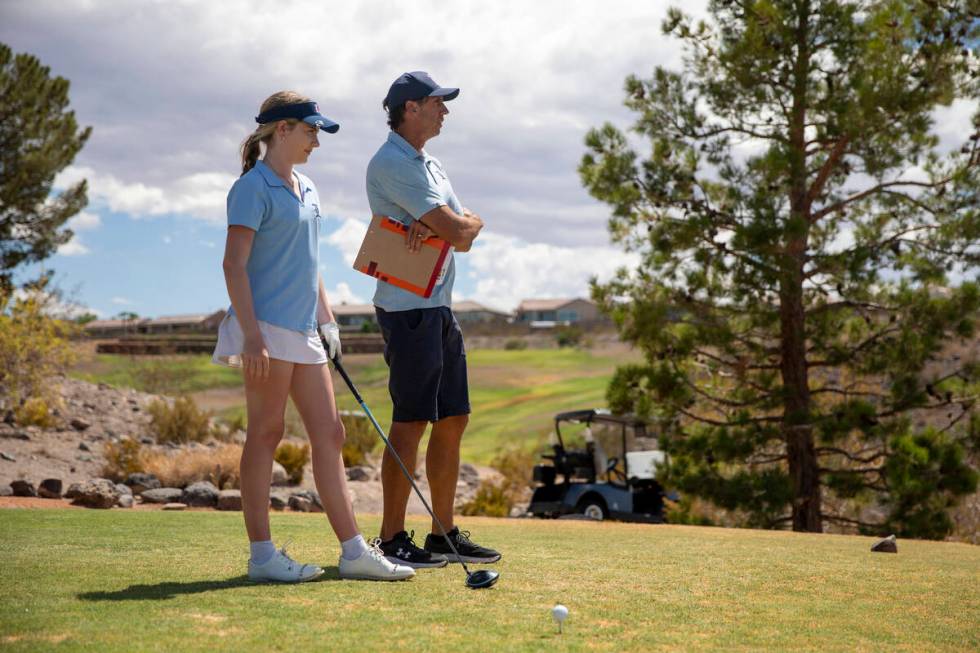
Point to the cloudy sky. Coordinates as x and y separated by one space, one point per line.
171 89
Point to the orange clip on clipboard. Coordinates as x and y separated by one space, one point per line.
383 255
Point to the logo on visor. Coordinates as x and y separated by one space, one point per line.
316 107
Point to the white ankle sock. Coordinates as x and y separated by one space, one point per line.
353 548
262 552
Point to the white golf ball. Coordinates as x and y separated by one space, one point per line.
559 613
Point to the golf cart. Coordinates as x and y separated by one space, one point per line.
622 487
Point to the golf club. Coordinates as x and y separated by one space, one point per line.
474 579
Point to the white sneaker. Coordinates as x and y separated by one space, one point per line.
372 565
280 568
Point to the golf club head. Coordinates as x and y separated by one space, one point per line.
482 579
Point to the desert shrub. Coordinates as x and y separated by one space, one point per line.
34 346
34 412
162 375
293 458
496 497
181 467
515 344
569 336
180 422
122 459
491 500
361 438
225 430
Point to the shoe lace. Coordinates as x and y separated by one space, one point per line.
282 552
463 536
374 549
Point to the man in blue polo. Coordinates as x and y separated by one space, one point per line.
423 343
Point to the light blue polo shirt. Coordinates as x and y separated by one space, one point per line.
282 266
405 184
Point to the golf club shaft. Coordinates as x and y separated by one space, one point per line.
350 384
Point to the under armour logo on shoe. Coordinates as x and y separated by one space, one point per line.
403 554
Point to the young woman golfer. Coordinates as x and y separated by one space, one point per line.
279 308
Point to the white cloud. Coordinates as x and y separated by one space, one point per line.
347 238
200 195
84 221
342 294
73 247
507 270
121 301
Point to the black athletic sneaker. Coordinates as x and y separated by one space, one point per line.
401 550
469 550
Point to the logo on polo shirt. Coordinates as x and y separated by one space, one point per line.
316 211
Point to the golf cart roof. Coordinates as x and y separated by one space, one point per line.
599 415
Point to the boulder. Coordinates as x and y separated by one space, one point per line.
202 494
885 545
50 488
174 506
79 424
123 489
359 473
279 475
94 493
125 500
279 500
141 482
6 456
162 495
300 503
6 491
230 500
23 489
83 447
469 473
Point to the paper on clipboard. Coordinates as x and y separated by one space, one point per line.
383 255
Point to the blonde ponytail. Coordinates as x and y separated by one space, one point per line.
252 146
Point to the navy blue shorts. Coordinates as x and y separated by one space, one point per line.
427 364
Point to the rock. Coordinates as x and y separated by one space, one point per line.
85 458
162 495
50 488
279 475
23 489
147 440
886 545
83 447
123 489
174 506
17 435
125 500
7 456
140 482
302 504
79 424
359 473
230 500
95 493
202 494
278 501
468 473
6 491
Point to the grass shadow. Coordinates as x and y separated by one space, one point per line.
169 590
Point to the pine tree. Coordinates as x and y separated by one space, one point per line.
38 138
807 254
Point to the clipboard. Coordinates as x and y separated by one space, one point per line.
383 255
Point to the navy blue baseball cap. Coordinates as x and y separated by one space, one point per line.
308 112
415 86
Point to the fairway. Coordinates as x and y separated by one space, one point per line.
76 580
513 394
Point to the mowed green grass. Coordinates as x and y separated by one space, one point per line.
77 580
513 394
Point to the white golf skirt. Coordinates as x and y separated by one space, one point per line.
282 344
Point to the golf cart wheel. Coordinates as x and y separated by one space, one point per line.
593 508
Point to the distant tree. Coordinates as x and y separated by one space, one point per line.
800 233
85 318
38 138
126 316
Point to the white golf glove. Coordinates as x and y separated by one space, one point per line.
331 334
